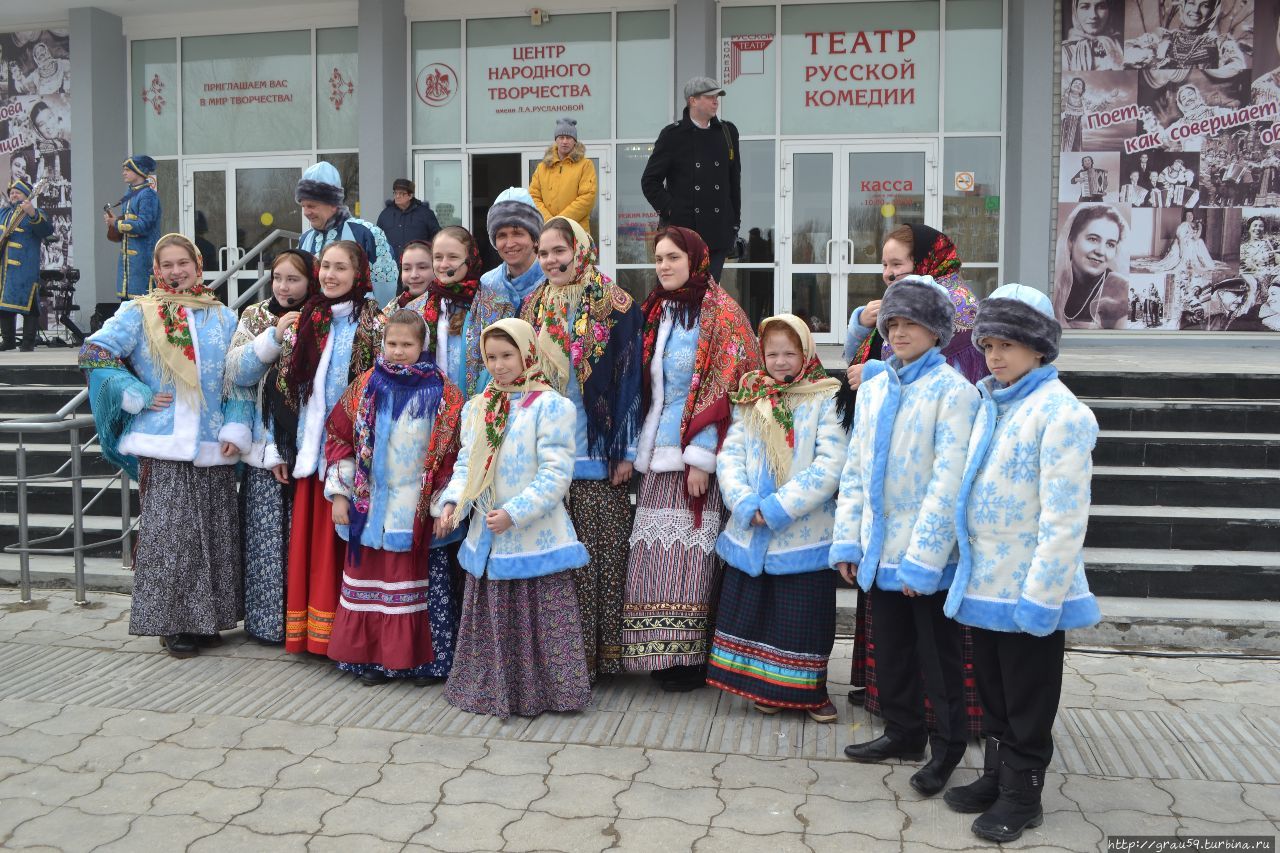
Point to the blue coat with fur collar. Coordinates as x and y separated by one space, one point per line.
895 514
1023 509
532 472
798 513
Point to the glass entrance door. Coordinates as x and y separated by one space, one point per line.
230 206
839 202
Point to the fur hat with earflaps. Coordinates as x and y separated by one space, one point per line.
1024 315
921 300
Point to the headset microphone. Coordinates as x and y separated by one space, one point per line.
564 268
451 273
893 276
788 379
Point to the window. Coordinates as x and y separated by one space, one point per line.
155 96
336 89
437 101
644 73
748 48
975 51
971 218
247 93
520 78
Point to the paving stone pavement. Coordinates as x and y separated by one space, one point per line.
108 744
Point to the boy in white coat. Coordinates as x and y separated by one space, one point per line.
1020 516
895 526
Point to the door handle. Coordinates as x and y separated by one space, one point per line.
828 255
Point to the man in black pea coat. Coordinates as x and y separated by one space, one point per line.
694 175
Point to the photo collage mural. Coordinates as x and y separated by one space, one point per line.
1169 187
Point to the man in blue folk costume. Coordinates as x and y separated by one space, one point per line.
22 229
138 224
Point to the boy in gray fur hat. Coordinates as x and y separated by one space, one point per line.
1020 518
895 527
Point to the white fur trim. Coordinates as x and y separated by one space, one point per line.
649 431
700 457
340 480
210 456
316 409
237 434
666 460
442 334
132 402
265 346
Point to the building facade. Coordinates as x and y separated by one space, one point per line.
854 117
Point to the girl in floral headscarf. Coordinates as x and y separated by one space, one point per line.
520 640
589 334
155 374
265 495
779 470
697 345
337 337
455 265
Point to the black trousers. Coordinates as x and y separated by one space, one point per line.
1019 680
716 259
30 325
917 653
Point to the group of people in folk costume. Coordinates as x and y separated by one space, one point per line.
437 489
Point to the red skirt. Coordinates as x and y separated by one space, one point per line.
316 555
383 615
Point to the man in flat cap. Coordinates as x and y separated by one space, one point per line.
694 175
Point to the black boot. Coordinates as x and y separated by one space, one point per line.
884 748
30 325
8 330
1017 808
979 795
179 645
943 759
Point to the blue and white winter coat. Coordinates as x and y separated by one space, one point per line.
895 516
384 269
798 514
253 353
670 377
1023 509
533 470
184 431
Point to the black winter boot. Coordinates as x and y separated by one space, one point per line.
1017 808
981 794
943 759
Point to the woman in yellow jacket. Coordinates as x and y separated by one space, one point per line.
565 181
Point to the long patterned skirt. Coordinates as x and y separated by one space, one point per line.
673 576
863 670
601 515
519 648
316 556
186 569
397 615
265 508
773 638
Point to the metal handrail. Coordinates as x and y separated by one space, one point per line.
248 256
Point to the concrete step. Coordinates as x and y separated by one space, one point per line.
55 498
1185 415
1172 385
46 456
1156 624
1170 573
1214 449
97 528
1185 486
1183 527
25 397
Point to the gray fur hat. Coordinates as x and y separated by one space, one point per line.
514 206
921 300
567 127
1024 315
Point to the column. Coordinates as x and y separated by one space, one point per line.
384 131
1030 195
695 44
99 143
